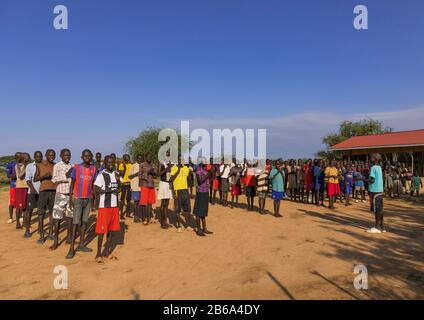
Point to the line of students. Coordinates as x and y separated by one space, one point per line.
69 193
317 178
64 193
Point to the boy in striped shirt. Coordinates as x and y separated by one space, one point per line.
107 186
62 179
262 188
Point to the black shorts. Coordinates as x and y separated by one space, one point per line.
46 201
126 192
32 201
183 201
250 191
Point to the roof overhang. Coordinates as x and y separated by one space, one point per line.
378 147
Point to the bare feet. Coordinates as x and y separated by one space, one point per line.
99 260
112 257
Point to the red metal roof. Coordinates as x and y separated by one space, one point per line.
385 140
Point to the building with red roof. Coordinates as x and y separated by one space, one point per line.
402 146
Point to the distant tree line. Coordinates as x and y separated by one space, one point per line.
348 129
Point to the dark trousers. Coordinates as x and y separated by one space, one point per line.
376 206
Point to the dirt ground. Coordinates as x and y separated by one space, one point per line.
310 253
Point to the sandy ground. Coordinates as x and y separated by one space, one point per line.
310 253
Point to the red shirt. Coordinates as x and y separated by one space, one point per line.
84 178
250 178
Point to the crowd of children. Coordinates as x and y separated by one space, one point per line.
127 189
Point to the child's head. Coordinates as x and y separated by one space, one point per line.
23 158
27 158
148 157
278 164
87 156
375 158
109 163
202 162
139 158
38 156
126 158
65 155
98 157
17 156
50 155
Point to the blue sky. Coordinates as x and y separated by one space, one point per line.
296 68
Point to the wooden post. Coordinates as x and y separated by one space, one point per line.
411 154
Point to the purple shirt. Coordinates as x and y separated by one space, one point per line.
10 169
202 173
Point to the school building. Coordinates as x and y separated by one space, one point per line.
401 146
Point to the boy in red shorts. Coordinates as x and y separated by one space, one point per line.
21 188
250 180
235 178
148 194
107 186
11 174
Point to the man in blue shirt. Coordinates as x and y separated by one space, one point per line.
33 191
376 190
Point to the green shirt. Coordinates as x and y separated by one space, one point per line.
377 185
278 181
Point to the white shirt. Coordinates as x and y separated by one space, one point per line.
107 181
59 177
29 176
224 170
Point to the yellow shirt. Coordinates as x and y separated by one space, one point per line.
180 182
332 171
125 179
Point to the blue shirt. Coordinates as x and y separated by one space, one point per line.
10 170
278 181
359 179
348 178
318 175
29 176
377 174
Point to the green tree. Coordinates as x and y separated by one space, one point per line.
6 159
147 142
348 129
